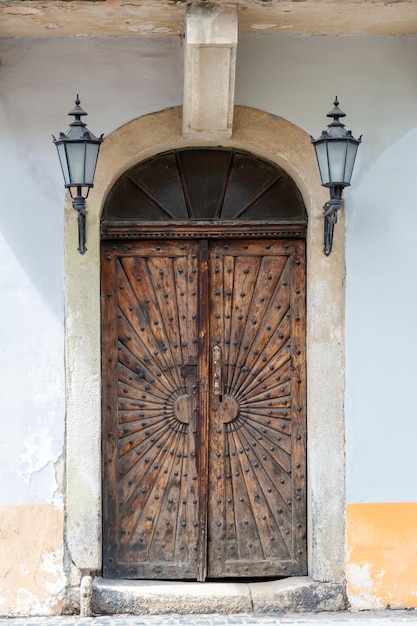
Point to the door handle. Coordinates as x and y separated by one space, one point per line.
216 370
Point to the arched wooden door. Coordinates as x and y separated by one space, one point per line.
204 438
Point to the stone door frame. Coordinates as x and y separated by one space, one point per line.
277 140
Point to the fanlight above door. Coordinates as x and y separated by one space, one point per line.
203 185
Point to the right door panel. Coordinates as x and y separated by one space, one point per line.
257 415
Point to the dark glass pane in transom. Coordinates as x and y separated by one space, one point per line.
127 201
205 184
205 177
249 178
281 198
159 177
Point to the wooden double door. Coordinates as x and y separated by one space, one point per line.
204 461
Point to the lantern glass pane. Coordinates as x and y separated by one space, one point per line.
337 160
90 162
76 162
321 153
352 149
63 160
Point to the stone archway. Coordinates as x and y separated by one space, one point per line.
287 145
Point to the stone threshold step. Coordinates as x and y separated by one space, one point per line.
149 597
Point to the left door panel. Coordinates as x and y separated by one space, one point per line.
150 407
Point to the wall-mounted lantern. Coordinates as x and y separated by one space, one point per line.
336 152
78 153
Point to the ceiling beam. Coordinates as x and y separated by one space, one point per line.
40 18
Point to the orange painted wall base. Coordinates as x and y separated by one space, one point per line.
382 555
32 580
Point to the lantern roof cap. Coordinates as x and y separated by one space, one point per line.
335 113
78 130
77 112
336 128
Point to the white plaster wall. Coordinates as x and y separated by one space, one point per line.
381 328
31 393
298 77
117 80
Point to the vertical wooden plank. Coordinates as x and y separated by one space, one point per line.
299 405
109 401
203 412
217 501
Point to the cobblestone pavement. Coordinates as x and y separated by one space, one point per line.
362 618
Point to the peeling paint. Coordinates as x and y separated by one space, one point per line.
146 28
52 564
263 26
27 603
36 455
58 496
22 10
363 593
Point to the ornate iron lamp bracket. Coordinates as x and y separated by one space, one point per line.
336 152
78 153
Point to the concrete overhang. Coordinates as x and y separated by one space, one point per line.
68 18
